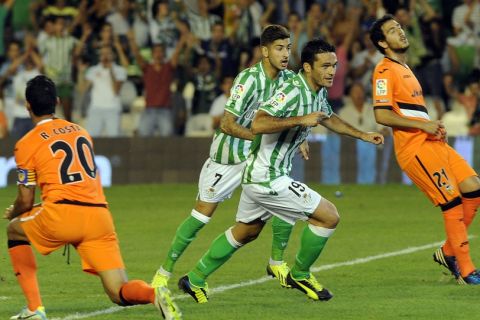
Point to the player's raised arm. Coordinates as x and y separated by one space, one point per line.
337 124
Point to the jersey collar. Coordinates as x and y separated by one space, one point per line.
44 121
305 83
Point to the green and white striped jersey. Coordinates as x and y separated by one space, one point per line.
271 154
250 89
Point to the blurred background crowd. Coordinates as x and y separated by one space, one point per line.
158 68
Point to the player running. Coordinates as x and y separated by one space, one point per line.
421 148
57 155
282 125
221 174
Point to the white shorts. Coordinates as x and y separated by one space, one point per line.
218 181
286 198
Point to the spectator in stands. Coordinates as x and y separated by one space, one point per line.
4 12
218 50
8 70
162 26
298 38
119 17
205 81
105 80
218 105
247 25
31 67
463 48
59 52
359 113
3 122
364 62
158 77
201 24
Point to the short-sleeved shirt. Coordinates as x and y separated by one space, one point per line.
272 154
157 85
57 155
103 95
396 88
251 88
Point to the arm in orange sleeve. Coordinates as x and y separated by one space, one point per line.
391 119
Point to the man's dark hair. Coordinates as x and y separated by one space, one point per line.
272 33
376 32
41 94
314 47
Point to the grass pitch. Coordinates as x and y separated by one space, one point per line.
375 222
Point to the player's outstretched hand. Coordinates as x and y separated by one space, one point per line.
8 213
373 137
313 119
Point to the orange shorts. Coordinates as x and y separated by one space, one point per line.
437 169
89 229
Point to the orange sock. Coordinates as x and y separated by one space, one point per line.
25 269
457 238
471 202
137 292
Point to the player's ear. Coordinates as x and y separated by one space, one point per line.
383 44
264 51
28 106
307 67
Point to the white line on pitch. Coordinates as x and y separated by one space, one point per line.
221 289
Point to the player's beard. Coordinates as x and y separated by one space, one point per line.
401 50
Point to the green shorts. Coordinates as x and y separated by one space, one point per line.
65 90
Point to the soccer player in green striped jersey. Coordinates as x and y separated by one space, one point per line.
222 172
282 125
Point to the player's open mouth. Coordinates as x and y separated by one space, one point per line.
284 63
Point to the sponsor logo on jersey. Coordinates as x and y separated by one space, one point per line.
382 101
381 87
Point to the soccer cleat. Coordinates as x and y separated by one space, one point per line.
160 280
473 278
165 304
449 262
199 294
310 286
38 314
279 271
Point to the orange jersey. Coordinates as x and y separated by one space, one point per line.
57 155
396 88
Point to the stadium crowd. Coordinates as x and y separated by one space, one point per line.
158 68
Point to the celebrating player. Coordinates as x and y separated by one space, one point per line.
58 156
421 148
282 125
221 174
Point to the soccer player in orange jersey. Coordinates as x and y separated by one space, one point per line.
421 148
57 156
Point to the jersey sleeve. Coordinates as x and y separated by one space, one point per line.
325 107
382 88
26 174
281 101
240 93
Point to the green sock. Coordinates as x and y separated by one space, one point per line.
186 232
220 251
281 233
311 246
